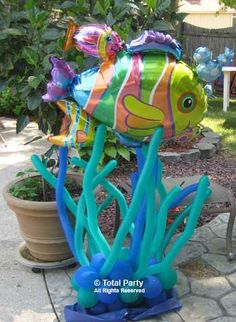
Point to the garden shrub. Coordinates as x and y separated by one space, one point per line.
31 31
11 103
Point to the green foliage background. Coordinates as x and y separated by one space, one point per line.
31 31
229 3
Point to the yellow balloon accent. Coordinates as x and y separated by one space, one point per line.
77 127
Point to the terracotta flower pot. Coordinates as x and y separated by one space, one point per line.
39 226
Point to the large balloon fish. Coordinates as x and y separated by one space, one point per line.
136 89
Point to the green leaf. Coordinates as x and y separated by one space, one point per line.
34 139
52 46
67 5
121 4
162 25
3 36
30 56
21 123
30 170
52 34
51 163
106 4
20 174
151 4
12 32
42 17
43 125
111 151
34 82
50 151
124 152
46 63
98 9
29 4
3 84
180 16
101 7
110 19
6 64
5 20
18 109
83 152
163 5
80 60
19 16
229 3
24 91
33 101
112 139
101 159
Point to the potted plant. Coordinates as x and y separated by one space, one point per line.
33 201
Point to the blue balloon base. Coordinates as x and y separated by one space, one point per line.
76 313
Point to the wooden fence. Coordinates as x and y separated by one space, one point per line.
215 39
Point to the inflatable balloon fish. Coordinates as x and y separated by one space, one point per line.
137 88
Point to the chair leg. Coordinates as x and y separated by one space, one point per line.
229 233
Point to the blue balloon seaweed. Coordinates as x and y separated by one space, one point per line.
144 223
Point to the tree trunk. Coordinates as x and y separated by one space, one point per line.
174 5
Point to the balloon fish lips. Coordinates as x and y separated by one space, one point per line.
97 40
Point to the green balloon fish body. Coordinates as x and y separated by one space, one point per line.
134 90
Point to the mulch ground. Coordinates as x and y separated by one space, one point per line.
221 169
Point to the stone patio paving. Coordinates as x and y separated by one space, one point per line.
206 279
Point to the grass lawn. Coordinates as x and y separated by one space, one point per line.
223 123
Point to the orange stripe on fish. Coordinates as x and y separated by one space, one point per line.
161 98
131 84
101 84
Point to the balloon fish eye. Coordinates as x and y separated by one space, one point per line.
108 38
186 103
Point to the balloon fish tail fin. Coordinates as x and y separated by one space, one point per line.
77 127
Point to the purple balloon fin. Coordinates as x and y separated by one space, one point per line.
62 75
152 41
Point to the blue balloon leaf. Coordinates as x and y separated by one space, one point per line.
107 294
152 286
121 270
85 277
97 261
